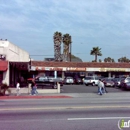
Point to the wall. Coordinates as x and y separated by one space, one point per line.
13 53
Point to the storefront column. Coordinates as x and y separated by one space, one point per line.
86 74
55 74
109 74
63 74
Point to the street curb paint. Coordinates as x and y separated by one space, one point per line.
32 97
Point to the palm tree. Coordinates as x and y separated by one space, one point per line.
123 59
67 47
100 60
112 60
96 51
109 59
57 45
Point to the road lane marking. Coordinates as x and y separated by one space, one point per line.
63 108
98 118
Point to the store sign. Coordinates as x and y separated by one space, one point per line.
112 69
50 68
76 69
2 57
60 68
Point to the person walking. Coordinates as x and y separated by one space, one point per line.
100 86
34 90
32 85
104 88
17 88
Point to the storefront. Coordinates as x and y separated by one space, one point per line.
13 62
18 72
63 69
3 69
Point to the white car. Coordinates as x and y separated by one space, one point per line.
69 80
91 80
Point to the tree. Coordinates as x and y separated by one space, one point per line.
96 51
100 60
123 59
57 45
109 59
67 47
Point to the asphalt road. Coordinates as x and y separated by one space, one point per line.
86 89
89 112
80 119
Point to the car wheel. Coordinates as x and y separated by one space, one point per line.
93 84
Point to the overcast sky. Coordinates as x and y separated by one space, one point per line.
30 24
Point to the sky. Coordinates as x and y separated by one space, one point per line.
31 24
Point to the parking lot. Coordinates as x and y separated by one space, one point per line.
86 89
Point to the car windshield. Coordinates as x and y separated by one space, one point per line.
69 78
108 79
87 78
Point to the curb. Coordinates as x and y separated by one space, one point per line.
32 97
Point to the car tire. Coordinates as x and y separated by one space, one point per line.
93 84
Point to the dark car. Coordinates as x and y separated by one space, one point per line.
117 81
108 82
46 81
60 81
124 81
78 80
127 86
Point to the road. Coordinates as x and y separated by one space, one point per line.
85 89
83 112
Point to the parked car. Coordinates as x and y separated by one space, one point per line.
117 81
45 81
91 80
124 81
78 80
61 81
127 86
108 82
58 80
69 80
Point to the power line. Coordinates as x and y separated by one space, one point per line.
41 55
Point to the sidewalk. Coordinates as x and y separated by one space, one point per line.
25 94
119 95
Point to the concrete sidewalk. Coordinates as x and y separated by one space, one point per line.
42 93
112 95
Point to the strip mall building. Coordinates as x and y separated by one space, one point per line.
63 69
15 63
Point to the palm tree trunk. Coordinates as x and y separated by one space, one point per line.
95 58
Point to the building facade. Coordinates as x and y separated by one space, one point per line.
13 60
63 69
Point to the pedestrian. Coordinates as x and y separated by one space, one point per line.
100 86
32 84
34 90
104 88
17 88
